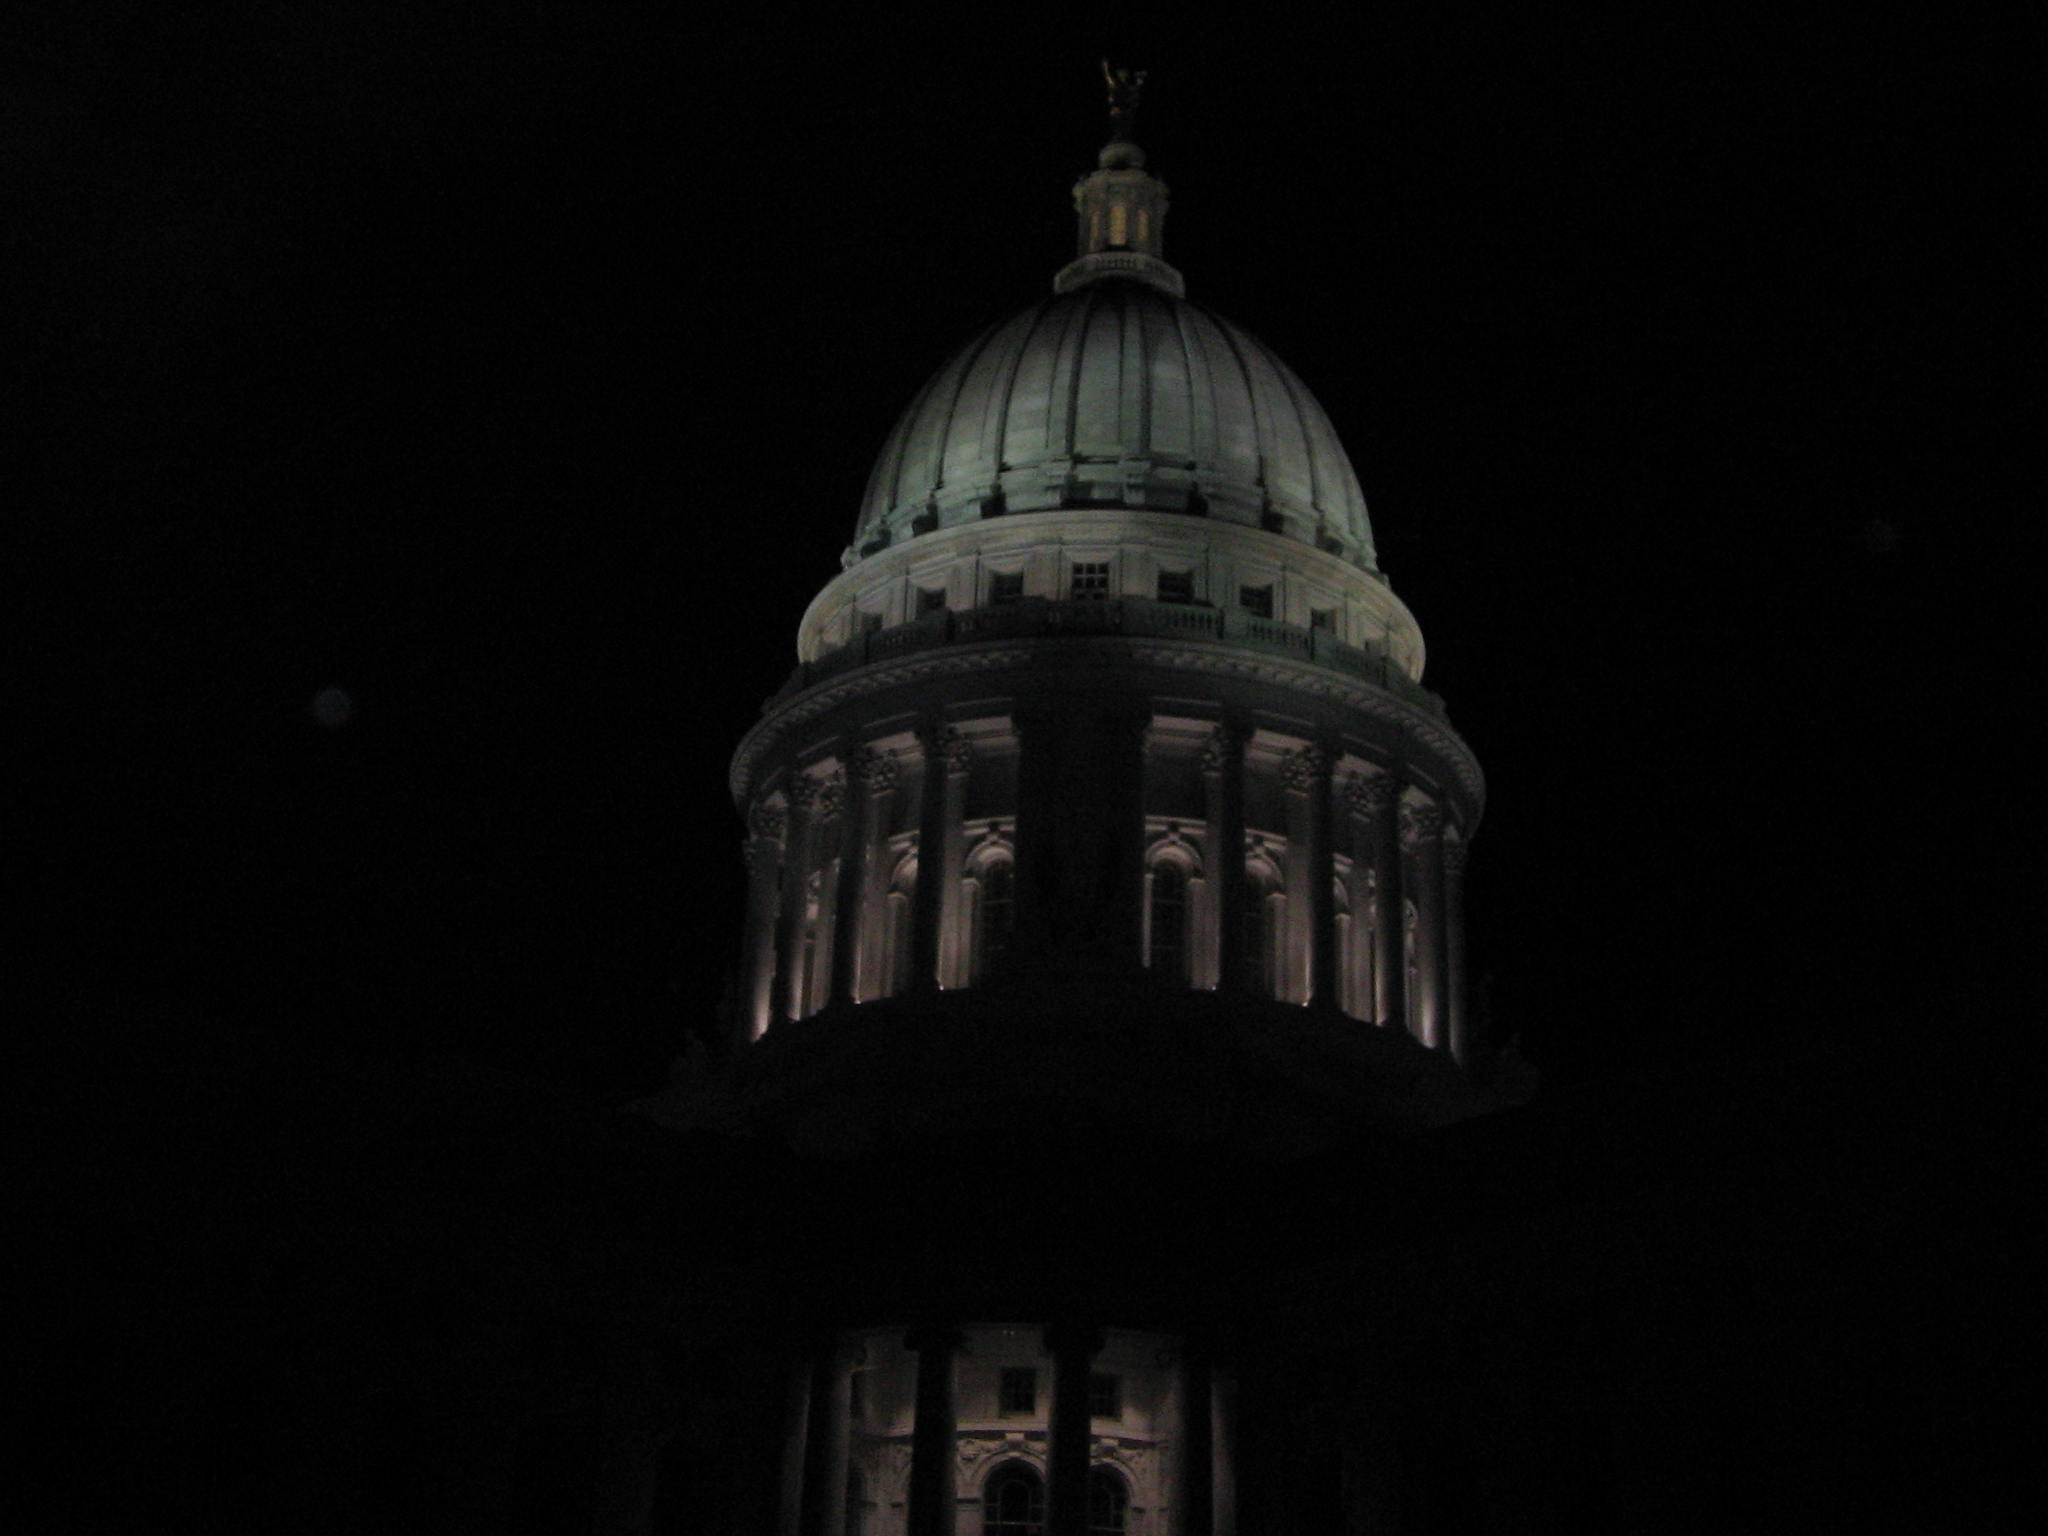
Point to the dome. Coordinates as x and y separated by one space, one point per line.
1117 393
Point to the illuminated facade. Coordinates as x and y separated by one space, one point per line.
1109 737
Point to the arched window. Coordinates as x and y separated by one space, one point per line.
1166 922
1109 1502
902 906
1013 1501
995 906
1264 906
1347 945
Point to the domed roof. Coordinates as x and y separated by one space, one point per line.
1117 393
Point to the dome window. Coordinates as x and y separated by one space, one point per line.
1257 601
1119 226
1013 1501
1322 618
1091 580
1105 1397
1176 586
1005 586
931 599
1017 1390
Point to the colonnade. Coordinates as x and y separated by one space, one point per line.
815 1475
822 874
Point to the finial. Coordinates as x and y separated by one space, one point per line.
1124 88
1121 208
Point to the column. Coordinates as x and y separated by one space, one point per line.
765 827
1195 1493
870 777
1118 923
1380 798
1460 1031
1422 836
947 757
1223 1452
1073 1349
1223 773
1364 889
933 1492
826 1432
1306 774
1036 837
795 1439
786 986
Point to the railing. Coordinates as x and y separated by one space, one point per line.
1136 616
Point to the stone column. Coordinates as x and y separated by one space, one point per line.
947 756
1195 1491
1035 889
1073 1348
1307 774
933 1452
765 828
1223 1452
870 777
1223 774
1117 926
1422 836
1357 985
1460 1026
801 791
827 1430
1379 796
795 1440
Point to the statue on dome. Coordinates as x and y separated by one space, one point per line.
1124 88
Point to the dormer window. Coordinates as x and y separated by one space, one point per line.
1005 586
1257 601
1091 580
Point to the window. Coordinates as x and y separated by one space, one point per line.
1017 1392
1263 905
931 599
1109 1502
1176 586
866 622
1091 580
1105 1397
1256 600
995 907
1005 586
1167 925
1322 618
1013 1501
1119 225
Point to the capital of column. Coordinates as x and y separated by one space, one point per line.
1225 743
1420 824
1456 852
940 1337
1369 794
944 744
766 821
1066 1338
1301 768
801 791
874 771
832 795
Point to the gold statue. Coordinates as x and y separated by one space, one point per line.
1124 86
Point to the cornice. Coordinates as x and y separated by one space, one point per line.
1207 658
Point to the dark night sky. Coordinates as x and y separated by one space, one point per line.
518 372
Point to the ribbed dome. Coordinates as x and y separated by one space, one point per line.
1117 394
